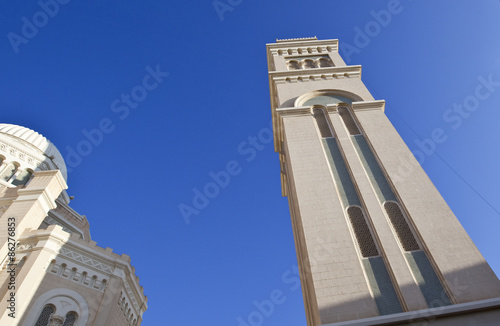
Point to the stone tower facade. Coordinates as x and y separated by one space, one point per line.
52 273
376 243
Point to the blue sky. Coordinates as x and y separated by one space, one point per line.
208 93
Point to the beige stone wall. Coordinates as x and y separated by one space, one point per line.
489 315
337 276
335 288
42 274
412 296
464 269
116 317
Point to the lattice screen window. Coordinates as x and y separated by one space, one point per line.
348 120
70 319
47 311
403 231
323 126
364 237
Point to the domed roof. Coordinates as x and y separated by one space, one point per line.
37 140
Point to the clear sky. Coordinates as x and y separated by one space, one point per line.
208 92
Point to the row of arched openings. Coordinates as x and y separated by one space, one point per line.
75 276
127 311
308 63
12 173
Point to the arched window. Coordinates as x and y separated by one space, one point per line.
43 319
70 319
325 99
362 232
62 270
122 304
63 307
84 279
22 178
322 122
349 122
294 65
309 63
324 62
8 172
403 231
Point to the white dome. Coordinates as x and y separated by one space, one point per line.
38 141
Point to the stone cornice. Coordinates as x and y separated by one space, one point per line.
306 110
368 105
304 42
314 38
69 210
331 71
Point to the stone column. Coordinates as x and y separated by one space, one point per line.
56 321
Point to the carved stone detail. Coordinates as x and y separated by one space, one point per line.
77 276
56 321
52 221
86 260
25 246
19 153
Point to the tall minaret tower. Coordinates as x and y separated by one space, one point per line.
375 240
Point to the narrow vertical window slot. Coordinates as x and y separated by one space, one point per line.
322 122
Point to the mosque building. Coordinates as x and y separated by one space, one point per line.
52 273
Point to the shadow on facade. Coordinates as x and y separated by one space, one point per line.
472 306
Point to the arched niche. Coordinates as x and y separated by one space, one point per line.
64 301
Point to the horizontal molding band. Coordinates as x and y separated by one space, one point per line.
425 314
356 106
353 70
